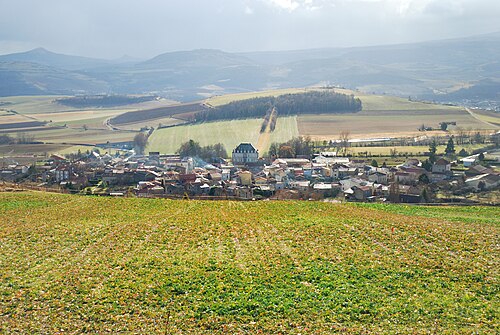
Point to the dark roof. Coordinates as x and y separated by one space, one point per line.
245 147
441 161
493 178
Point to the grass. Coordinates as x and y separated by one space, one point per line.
225 99
387 103
412 150
488 116
230 133
72 264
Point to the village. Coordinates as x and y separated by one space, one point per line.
248 177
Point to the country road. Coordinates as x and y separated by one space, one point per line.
479 119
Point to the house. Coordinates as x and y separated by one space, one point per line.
485 181
378 177
245 178
362 193
300 185
469 161
245 153
63 173
441 166
296 162
404 178
57 159
477 170
409 175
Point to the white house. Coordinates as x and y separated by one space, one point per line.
441 166
245 153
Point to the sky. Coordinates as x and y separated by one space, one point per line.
145 28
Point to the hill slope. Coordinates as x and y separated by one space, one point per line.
430 70
52 59
81 264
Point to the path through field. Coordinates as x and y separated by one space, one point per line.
479 119
265 136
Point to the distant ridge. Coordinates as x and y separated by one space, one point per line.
49 58
434 70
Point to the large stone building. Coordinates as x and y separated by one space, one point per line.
245 153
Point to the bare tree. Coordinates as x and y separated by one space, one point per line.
460 135
140 142
344 141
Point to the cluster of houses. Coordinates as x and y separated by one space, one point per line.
248 177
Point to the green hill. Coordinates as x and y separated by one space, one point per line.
71 264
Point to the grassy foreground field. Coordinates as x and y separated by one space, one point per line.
72 264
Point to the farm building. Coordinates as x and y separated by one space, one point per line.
245 153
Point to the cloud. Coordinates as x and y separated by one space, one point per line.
289 5
112 28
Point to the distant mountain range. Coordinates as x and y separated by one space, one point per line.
446 70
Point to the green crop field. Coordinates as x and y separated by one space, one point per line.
71 264
230 133
227 98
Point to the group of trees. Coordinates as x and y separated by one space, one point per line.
208 153
270 119
297 146
21 138
288 104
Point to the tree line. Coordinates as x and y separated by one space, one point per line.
209 153
315 102
296 147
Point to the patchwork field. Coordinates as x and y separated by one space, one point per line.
71 264
64 124
382 116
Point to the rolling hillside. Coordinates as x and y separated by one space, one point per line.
435 70
71 264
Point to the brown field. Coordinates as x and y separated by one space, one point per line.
384 123
75 135
155 113
7 117
83 115
17 125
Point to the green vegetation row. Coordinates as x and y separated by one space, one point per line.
71 264
314 102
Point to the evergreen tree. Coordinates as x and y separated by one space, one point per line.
432 151
450 147
427 165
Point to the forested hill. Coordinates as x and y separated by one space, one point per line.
316 102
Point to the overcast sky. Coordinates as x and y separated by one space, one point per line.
145 28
